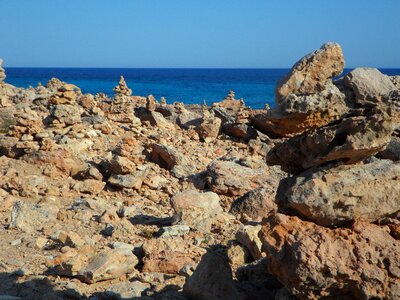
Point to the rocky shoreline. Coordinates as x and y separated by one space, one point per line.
133 198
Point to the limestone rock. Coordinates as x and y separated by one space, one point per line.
369 85
170 159
299 113
255 205
310 74
247 235
169 255
121 165
336 195
133 180
108 265
66 94
2 72
196 209
361 262
67 114
32 217
209 128
234 178
350 141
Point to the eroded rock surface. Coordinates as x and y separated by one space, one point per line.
360 262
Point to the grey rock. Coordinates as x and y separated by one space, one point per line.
336 195
255 205
392 150
175 230
68 114
133 180
369 85
232 177
170 159
32 217
212 280
127 290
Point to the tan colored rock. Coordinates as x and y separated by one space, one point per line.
311 73
361 262
369 85
209 128
66 94
352 140
89 186
337 195
234 178
247 235
169 255
121 165
299 113
108 265
196 209
122 88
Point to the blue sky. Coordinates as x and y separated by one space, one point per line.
195 33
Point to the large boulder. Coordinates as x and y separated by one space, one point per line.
353 139
299 113
369 85
313 262
311 74
234 177
336 195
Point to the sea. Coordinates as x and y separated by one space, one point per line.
190 86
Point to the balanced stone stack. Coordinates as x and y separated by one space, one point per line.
2 72
122 108
122 92
332 244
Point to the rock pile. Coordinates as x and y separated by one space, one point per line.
129 197
337 183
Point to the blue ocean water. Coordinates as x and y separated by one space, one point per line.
191 86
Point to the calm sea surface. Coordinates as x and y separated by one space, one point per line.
255 86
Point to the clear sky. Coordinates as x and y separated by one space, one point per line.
195 33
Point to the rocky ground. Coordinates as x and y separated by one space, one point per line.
133 198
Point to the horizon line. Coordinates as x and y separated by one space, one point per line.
209 68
